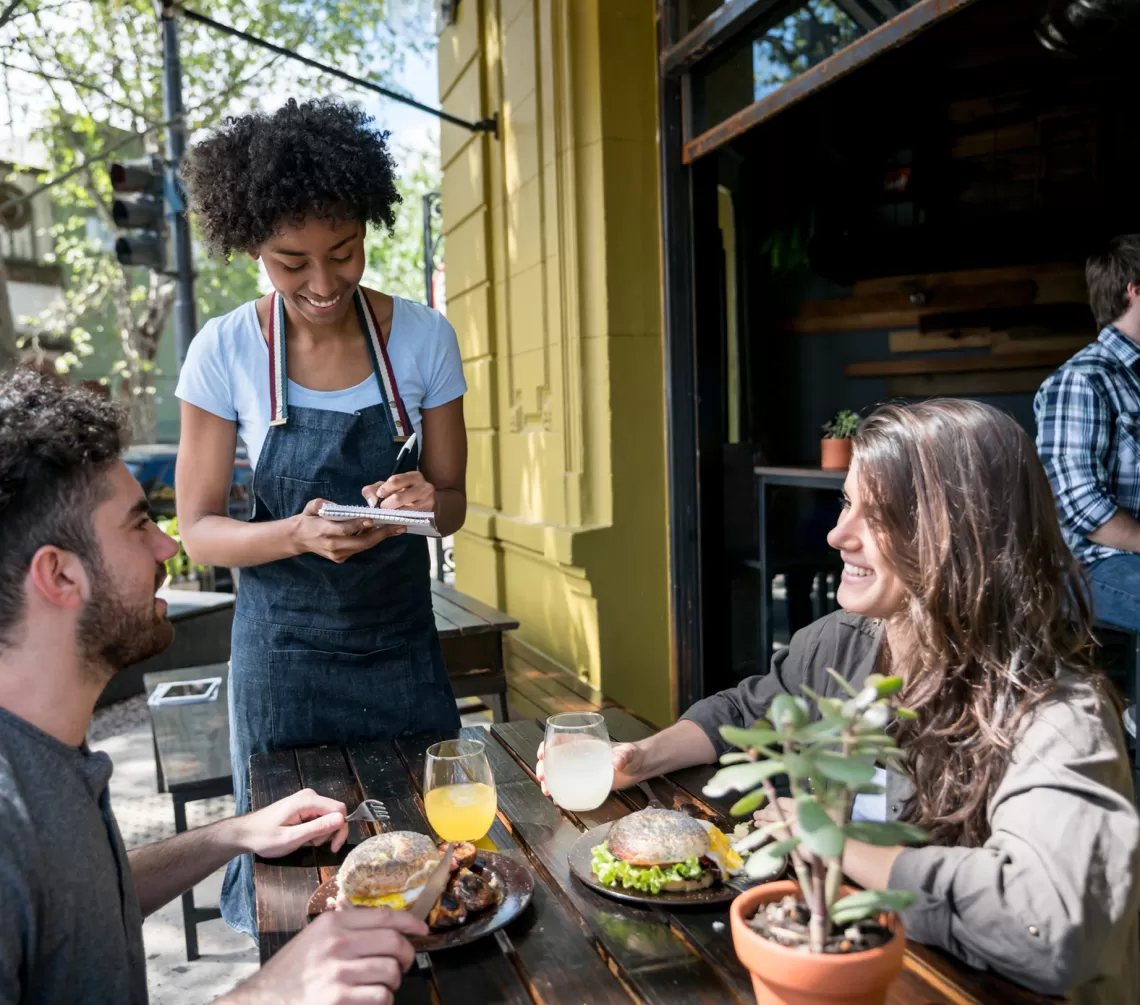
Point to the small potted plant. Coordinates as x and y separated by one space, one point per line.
835 447
812 940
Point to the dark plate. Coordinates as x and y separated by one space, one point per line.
515 881
581 864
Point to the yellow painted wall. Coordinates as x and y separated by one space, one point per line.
553 267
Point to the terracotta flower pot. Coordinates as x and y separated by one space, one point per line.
835 455
782 976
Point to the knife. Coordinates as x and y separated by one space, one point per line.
434 887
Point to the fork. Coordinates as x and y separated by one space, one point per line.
370 811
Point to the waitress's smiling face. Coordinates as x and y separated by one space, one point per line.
316 267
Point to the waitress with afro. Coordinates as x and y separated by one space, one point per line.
334 638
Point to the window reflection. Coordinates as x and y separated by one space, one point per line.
808 36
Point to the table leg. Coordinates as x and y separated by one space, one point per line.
189 913
764 643
160 782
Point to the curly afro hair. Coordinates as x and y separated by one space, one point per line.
262 171
56 444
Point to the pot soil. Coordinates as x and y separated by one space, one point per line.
835 455
791 975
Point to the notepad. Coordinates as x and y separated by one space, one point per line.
417 522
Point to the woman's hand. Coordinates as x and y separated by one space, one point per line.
407 491
338 540
628 761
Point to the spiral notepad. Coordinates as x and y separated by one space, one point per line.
417 522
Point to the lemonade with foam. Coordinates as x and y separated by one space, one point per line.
461 812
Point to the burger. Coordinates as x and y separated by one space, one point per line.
388 870
657 850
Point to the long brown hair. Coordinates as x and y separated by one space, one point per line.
960 504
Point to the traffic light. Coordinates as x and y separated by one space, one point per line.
138 208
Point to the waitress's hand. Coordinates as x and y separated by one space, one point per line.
339 540
407 491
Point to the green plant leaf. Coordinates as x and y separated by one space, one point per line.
906 713
798 764
786 711
870 790
831 708
741 777
763 864
736 757
865 903
782 848
843 683
818 830
749 804
755 737
884 833
820 730
887 686
850 771
752 841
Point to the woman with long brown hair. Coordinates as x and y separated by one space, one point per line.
956 577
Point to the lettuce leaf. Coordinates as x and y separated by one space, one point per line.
611 871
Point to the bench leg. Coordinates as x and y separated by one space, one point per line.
504 711
189 913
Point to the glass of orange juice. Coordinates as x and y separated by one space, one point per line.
459 790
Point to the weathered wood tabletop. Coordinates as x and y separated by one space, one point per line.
571 946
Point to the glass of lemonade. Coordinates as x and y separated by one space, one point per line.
579 766
459 790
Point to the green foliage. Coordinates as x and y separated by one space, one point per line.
96 69
396 259
842 425
828 759
179 566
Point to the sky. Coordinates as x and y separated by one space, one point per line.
411 129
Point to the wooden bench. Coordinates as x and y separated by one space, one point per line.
471 636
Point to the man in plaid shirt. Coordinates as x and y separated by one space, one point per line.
1088 435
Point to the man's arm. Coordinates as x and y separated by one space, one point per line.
169 868
1121 531
1074 427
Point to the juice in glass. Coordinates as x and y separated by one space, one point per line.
461 812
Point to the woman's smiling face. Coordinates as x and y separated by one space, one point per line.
870 586
316 267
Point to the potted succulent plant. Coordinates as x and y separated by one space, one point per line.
835 447
812 940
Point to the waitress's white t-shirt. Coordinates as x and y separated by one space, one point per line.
227 371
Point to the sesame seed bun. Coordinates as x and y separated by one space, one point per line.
657 837
386 864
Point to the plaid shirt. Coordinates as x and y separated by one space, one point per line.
1088 436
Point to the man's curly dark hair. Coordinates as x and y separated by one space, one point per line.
258 172
56 444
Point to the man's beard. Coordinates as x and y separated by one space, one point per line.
115 633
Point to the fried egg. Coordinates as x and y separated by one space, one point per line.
396 901
720 850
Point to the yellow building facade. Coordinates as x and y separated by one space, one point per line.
553 262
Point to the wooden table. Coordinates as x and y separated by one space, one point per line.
471 637
572 946
192 761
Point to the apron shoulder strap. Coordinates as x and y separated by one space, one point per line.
278 386
382 365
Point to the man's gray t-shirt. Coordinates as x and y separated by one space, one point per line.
70 925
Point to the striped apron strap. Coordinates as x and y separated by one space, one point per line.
382 366
278 385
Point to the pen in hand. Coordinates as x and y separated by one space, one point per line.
404 451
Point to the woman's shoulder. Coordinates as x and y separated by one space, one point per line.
839 631
234 331
426 321
1078 718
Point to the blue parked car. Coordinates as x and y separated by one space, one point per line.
152 464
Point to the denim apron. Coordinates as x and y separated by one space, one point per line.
327 653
